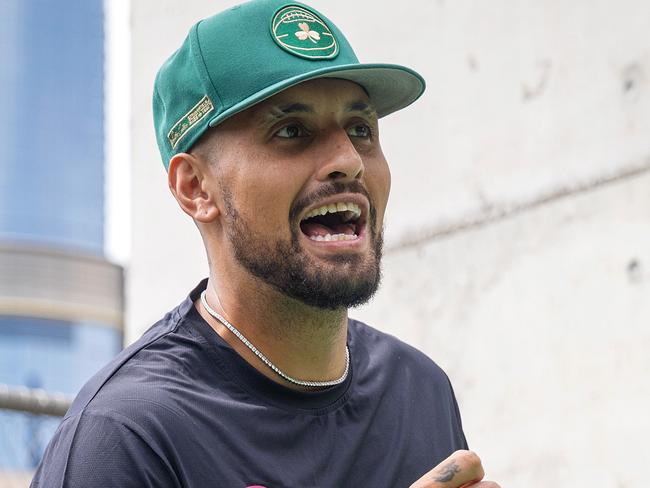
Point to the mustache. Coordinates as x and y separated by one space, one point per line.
327 190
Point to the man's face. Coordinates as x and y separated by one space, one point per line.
304 185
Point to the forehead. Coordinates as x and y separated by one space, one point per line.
322 95
328 91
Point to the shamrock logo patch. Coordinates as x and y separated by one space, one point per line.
301 32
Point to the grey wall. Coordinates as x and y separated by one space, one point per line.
519 225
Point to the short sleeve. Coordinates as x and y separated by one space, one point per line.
96 450
459 433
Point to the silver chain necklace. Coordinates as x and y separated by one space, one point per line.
266 361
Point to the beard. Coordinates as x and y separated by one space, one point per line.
347 281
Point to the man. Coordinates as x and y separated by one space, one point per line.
267 125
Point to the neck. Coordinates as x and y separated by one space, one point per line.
305 342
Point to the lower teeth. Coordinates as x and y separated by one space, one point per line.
335 237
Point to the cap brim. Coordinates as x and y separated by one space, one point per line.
390 87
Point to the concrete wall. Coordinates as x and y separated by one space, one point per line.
519 224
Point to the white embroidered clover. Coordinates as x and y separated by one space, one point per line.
306 33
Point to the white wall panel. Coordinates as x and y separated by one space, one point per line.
541 321
541 318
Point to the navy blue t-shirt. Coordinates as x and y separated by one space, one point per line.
180 408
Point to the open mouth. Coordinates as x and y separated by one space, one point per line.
340 221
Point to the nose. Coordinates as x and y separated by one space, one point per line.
340 159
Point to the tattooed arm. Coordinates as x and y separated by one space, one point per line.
462 469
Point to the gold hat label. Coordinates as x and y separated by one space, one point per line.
301 32
189 120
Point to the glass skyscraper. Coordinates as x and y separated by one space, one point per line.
61 305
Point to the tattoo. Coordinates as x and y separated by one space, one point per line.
448 472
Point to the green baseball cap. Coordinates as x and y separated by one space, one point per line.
241 56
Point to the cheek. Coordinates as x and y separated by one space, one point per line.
378 181
265 196
255 181
257 203
387 179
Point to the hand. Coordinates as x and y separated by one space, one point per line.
460 470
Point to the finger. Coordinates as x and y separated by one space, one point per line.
461 468
482 484
473 483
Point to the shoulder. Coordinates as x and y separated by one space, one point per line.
407 378
148 379
391 366
98 448
390 351
120 367
121 412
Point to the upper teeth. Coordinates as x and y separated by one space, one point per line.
335 207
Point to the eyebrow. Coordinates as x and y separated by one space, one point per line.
362 107
291 108
281 111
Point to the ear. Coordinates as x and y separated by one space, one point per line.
188 179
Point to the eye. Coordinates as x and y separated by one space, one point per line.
291 131
360 130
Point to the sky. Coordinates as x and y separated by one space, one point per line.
117 127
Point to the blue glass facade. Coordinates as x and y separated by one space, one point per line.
55 356
51 199
52 123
